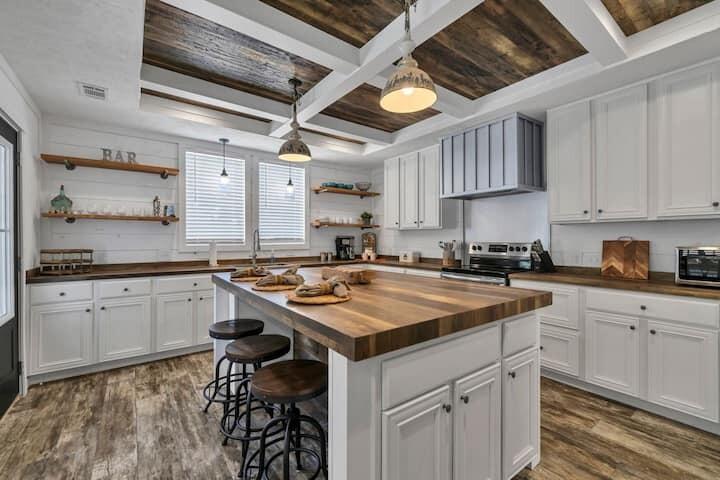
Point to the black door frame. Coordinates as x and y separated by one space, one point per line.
13 135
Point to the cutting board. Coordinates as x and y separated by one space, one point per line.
626 258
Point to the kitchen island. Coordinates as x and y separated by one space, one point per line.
423 373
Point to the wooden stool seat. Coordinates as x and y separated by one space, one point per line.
290 381
257 348
237 328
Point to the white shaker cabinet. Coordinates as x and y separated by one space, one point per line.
570 163
686 121
409 191
417 441
683 369
429 201
391 194
621 173
612 351
174 321
124 328
520 411
478 426
61 336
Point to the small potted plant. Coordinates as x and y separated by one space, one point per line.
366 218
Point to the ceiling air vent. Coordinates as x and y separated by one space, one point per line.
93 91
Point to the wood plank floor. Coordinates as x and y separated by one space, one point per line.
146 422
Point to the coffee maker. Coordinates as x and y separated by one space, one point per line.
344 247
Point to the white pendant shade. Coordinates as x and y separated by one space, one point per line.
294 149
409 89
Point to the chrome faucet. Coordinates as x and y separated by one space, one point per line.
256 247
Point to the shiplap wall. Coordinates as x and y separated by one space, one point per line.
120 242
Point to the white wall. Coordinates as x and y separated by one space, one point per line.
120 242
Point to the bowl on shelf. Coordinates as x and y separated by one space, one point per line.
363 186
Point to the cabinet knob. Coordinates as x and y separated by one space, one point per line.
511 374
600 210
653 332
447 407
397 223
585 212
632 327
87 310
195 284
465 398
643 307
189 299
201 299
716 204
415 222
126 289
102 308
62 294
542 348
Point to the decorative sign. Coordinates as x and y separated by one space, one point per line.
118 156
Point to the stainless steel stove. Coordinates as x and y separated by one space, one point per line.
492 262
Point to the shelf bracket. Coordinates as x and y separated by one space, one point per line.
165 222
164 174
69 219
68 164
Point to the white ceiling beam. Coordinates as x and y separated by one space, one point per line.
593 26
269 25
326 123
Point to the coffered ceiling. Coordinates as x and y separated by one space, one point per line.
636 15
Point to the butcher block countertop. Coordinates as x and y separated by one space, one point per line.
394 312
659 282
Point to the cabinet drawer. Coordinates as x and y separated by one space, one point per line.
124 288
682 310
418 372
519 334
560 349
60 292
565 308
183 284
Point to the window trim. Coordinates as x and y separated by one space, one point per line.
9 294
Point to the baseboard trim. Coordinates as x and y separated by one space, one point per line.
125 362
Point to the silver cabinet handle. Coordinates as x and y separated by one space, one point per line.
465 399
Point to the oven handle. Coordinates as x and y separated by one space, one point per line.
473 278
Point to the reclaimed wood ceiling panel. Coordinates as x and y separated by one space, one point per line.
175 98
634 16
362 106
191 45
498 43
354 21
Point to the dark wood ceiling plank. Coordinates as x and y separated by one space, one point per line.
353 21
634 16
191 45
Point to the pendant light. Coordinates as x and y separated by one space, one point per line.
224 177
294 149
409 89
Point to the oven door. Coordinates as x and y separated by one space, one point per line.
474 278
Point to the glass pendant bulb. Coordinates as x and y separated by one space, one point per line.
290 188
224 177
294 149
409 89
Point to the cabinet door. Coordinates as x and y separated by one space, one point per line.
391 195
429 194
569 163
612 351
687 118
560 349
477 426
409 182
204 316
416 439
520 411
61 336
174 321
683 369
124 328
620 126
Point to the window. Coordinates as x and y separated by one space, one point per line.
7 284
281 214
214 211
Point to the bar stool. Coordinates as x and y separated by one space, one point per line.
221 385
253 351
287 383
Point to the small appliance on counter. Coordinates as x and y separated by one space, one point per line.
369 242
345 247
493 262
698 266
409 257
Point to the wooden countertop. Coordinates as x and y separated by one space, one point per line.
659 282
154 269
394 312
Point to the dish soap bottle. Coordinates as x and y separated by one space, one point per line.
61 203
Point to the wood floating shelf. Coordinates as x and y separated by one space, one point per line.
344 191
71 217
317 224
72 162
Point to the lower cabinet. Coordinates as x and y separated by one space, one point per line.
478 426
612 351
682 369
124 328
204 311
520 411
560 349
417 441
174 321
61 336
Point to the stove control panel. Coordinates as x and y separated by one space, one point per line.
499 249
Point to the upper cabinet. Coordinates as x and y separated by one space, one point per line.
686 122
412 191
645 152
501 157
